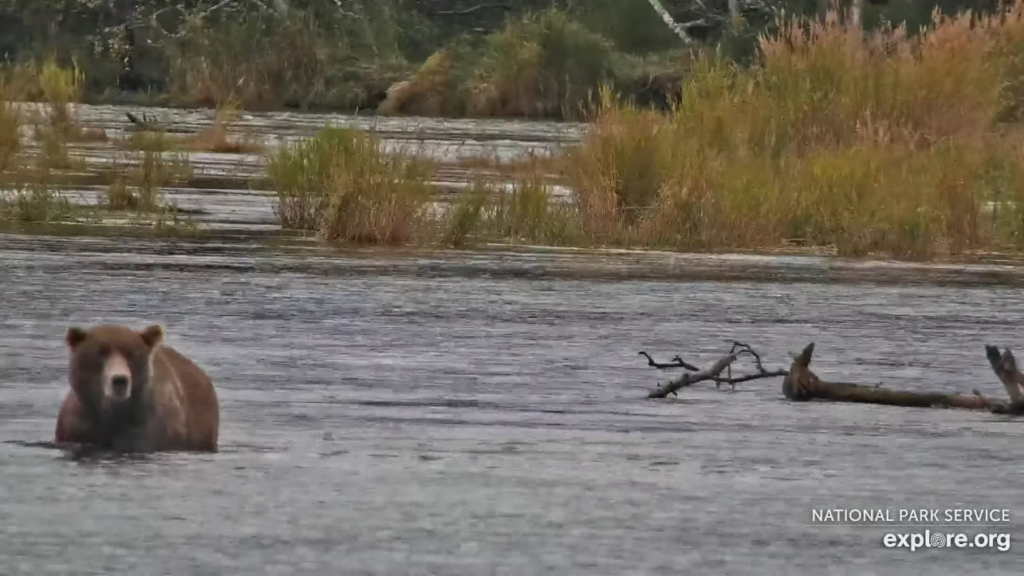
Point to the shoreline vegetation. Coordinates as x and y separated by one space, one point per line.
861 138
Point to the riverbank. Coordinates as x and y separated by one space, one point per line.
836 145
230 193
523 58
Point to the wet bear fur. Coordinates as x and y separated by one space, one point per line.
131 393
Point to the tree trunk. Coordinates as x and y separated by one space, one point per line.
856 11
128 79
671 23
801 385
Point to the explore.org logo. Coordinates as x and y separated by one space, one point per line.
929 539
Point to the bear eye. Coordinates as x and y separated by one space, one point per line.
104 350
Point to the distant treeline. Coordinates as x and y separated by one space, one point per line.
457 57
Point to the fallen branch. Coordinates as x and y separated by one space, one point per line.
802 385
677 362
690 378
761 372
712 373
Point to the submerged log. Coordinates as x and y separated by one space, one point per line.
801 385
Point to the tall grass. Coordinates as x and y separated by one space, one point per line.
342 185
27 189
31 186
215 137
10 127
60 88
543 64
617 169
266 60
879 144
141 176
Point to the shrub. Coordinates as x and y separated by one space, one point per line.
342 185
878 144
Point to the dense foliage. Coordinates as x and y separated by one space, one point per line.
347 53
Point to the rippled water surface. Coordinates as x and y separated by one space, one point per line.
413 416
473 413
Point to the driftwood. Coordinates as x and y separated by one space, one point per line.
801 384
713 372
1005 367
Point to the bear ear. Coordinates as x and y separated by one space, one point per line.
74 337
153 336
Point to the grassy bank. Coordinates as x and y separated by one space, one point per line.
893 144
887 143
522 58
37 166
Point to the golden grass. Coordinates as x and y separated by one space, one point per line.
27 190
868 144
341 185
215 138
141 178
10 127
31 186
430 91
60 88
879 145
462 219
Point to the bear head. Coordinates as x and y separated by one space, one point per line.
109 370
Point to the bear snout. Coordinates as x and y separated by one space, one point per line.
119 386
117 381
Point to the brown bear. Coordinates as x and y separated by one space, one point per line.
131 393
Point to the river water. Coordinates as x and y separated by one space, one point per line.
476 413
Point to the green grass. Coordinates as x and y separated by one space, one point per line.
539 65
341 185
31 186
884 143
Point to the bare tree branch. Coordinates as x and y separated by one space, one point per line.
677 362
472 9
712 373
690 378
670 22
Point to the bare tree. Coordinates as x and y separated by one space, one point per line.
671 22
